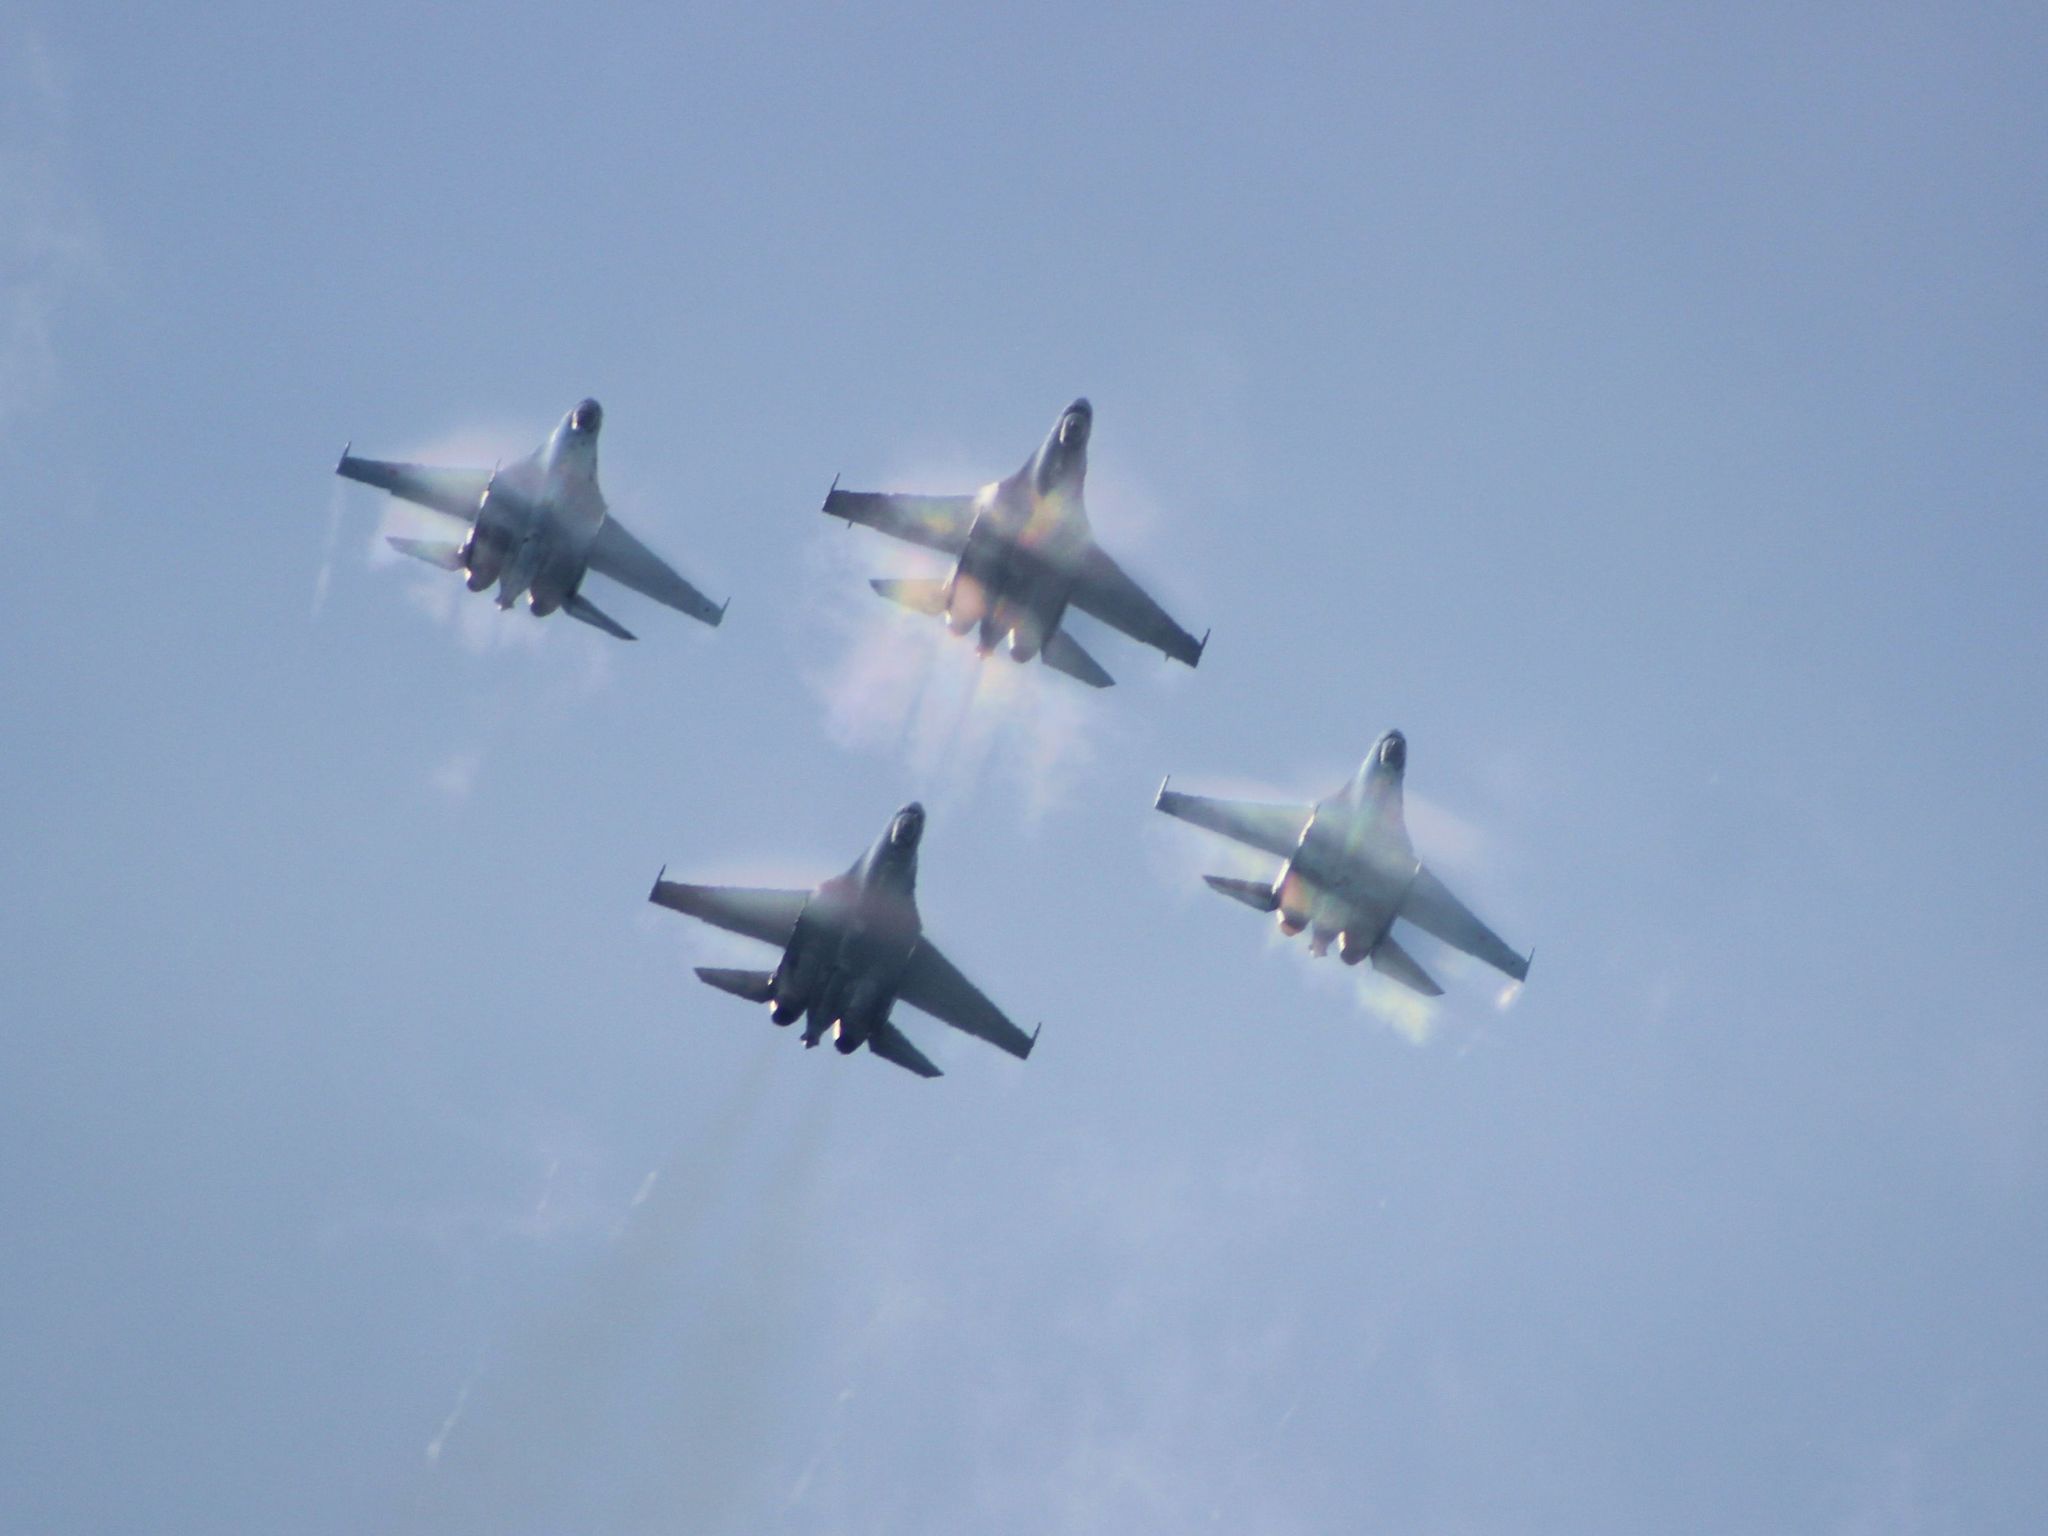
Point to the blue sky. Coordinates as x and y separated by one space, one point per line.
1643 411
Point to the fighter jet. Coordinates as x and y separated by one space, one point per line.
851 950
1022 553
537 527
1350 871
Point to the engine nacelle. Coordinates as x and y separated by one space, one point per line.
966 602
1351 949
553 587
483 557
489 543
796 978
860 1011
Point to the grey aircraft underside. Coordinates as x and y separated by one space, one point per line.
1022 555
537 526
851 950
1350 871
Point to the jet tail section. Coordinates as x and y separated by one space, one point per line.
581 607
1391 960
920 594
447 556
891 1044
1063 655
1253 893
754 986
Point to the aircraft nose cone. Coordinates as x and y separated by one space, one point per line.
1394 750
587 417
909 826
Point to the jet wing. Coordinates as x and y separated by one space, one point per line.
1103 589
617 554
769 916
1433 909
1274 829
936 522
934 983
457 492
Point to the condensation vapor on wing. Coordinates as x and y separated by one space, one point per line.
329 546
902 684
478 622
1444 840
520 1432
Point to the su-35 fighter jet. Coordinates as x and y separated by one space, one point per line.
1350 871
851 950
537 526
1023 553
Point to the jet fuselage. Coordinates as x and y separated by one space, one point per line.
1354 863
1016 571
539 517
853 940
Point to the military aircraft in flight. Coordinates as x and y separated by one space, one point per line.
1023 553
851 950
537 526
1350 871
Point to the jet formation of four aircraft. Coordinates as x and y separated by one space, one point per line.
1023 554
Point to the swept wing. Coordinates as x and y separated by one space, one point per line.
617 554
1433 909
1274 829
936 522
457 492
934 983
767 915
1102 588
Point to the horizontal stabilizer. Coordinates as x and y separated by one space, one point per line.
446 556
754 986
891 1044
1255 894
1394 962
920 594
581 607
1063 655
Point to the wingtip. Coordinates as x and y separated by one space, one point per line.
721 613
1159 798
343 460
1201 648
654 892
1032 1044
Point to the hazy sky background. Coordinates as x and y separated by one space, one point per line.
1641 407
